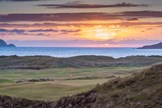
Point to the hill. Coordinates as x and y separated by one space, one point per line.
155 46
4 44
42 62
141 90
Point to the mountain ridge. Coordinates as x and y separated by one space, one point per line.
4 44
154 46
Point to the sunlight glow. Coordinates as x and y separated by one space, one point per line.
103 33
97 32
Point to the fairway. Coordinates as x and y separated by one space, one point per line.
48 90
66 81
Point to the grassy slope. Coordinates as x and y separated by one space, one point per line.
141 90
42 91
39 62
65 73
53 90
26 68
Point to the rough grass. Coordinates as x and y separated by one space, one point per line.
66 73
141 90
2 81
67 81
43 91
44 62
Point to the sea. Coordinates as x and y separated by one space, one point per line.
70 52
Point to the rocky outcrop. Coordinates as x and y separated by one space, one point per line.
155 46
4 44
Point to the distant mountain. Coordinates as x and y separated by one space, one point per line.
4 44
155 46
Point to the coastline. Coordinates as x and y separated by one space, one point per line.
70 52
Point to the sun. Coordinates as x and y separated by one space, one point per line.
103 33
97 32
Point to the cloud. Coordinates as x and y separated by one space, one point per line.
70 31
20 0
44 26
78 4
131 15
18 31
142 14
7 32
132 19
41 32
46 30
57 17
12 31
3 30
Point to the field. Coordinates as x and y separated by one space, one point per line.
58 82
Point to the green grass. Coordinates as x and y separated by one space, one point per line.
53 90
42 91
66 73
5 81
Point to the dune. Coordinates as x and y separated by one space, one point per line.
142 90
44 62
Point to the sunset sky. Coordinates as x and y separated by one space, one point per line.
84 23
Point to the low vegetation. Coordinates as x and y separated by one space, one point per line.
51 84
55 85
142 90
43 62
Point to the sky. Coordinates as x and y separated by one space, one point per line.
84 23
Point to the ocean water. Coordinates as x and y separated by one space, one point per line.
69 52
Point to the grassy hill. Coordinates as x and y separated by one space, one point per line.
51 84
42 62
141 90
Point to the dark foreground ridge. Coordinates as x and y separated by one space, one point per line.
141 90
42 62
